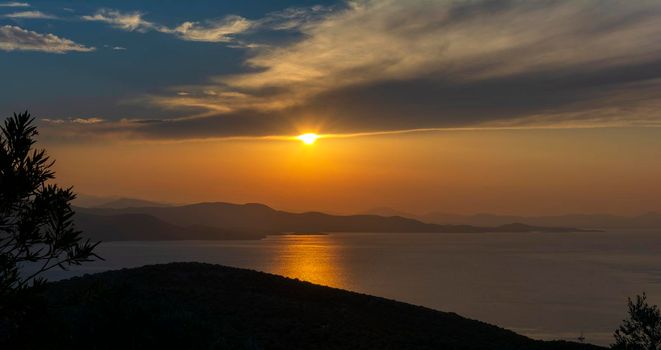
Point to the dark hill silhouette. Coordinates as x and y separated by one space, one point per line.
143 227
256 220
202 306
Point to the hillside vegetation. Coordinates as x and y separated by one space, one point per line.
202 306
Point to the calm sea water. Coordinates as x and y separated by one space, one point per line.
547 286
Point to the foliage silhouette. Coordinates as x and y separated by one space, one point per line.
642 330
203 306
37 232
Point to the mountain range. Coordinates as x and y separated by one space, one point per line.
253 221
651 220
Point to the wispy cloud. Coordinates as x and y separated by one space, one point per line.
292 18
78 120
387 65
212 31
129 21
462 41
14 4
30 15
219 30
116 48
13 38
222 30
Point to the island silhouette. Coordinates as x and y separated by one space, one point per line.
205 221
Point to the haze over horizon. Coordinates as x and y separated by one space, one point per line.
121 202
505 107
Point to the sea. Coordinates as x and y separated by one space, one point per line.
543 285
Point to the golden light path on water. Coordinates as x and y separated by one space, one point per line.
311 258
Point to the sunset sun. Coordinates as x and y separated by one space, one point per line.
308 138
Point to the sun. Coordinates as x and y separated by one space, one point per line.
308 138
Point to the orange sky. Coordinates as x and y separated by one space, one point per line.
194 103
556 171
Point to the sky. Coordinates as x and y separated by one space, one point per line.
460 106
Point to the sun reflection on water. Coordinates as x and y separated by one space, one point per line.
311 258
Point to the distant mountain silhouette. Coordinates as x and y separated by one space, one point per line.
143 227
202 306
88 200
131 203
198 221
650 220
387 211
92 201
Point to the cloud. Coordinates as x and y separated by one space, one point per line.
130 21
13 38
53 121
212 31
458 41
292 18
14 4
220 30
92 120
382 66
116 48
30 15
79 120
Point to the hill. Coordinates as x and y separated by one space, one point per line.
257 220
202 306
143 227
